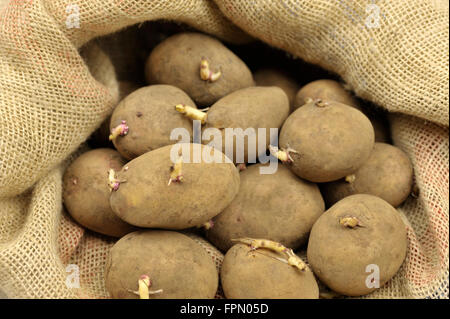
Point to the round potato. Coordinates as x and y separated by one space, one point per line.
357 245
388 174
274 77
257 274
177 61
280 207
159 191
325 90
150 116
326 140
86 192
250 111
178 267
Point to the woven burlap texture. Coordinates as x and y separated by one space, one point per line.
393 53
51 101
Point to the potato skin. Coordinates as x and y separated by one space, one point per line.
146 200
173 261
279 207
332 141
274 77
86 192
388 174
151 116
176 61
247 274
253 107
326 90
339 255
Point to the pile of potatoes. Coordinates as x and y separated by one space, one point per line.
331 199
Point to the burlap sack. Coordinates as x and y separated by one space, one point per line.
50 103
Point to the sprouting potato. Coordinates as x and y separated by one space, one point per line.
86 192
156 191
143 121
279 207
358 236
158 264
199 65
325 140
388 174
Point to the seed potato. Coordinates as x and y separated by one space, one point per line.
279 207
199 192
86 192
355 235
174 263
326 140
388 174
176 61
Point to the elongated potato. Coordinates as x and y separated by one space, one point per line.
247 110
279 207
357 245
150 116
197 191
175 264
86 192
257 274
177 60
274 77
326 141
325 90
388 174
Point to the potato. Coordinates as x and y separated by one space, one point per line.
328 140
145 199
150 116
325 90
353 240
280 207
176 61
173 262
332 90
274 77
86 192
388 174
256 274
249 108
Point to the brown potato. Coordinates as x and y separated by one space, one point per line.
355 238
150 116
86 192
325 90
250 108
332 90
174 262
256 274
388 174
176 61
279 207
274 77
145 199
329 140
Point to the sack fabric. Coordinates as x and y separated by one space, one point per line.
392 53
